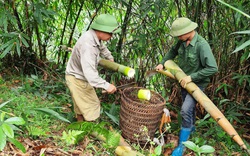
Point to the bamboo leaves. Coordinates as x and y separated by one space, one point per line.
16 40
53 113
245 44
246 55
230 6
40 11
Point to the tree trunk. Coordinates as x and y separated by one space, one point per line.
72 33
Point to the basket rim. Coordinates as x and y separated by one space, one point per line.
127 98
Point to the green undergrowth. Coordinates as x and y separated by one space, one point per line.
46 108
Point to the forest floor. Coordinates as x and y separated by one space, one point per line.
49 142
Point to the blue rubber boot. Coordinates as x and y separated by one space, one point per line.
184 135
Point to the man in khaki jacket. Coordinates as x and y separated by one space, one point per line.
81 72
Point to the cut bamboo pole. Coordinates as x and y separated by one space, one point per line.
117 67
203 100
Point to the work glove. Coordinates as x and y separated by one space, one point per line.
185 80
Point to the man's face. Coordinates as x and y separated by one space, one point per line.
184 37
106 36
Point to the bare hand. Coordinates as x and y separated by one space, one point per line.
111 89
159 67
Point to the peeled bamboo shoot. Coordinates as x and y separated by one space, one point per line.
117 67
203 100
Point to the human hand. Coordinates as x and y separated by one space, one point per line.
111 89
159 67
185 80
112 60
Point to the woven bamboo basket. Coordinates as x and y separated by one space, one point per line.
139 119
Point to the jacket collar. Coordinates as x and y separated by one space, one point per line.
194 40
96 40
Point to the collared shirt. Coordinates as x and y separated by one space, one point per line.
85 57
196 60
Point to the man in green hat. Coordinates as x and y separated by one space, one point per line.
196 59
82 76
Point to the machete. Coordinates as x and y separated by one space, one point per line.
150 73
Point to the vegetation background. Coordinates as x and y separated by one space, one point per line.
35 37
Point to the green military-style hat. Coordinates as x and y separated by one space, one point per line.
182 26
106 23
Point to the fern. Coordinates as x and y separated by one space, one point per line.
112 138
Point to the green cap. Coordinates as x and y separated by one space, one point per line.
182 26
106 23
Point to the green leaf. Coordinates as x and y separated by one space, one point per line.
245 56
234 8
16 128
51 112
18 48
245 44
71 137
10 42
191 145
113 139
2 138
24 41
206 149
113 118
7 50
2 115
3 104
17 144
8 130
158 150
224 101
241 32
4 22
15 120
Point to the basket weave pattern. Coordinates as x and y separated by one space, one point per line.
135 114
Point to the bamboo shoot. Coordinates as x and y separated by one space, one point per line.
117 67
203 100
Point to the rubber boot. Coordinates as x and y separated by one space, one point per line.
184 135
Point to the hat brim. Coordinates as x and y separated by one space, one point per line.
185 30
103 28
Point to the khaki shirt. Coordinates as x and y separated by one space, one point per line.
85 57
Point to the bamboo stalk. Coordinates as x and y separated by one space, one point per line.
208 105
117 67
